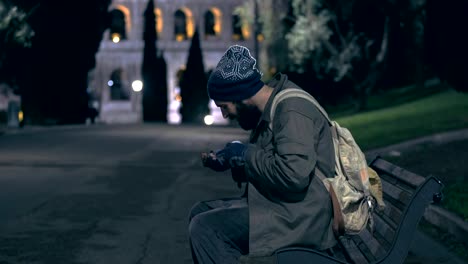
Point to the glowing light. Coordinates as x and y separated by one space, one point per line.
180 37
260 38
137 85
217 13
20 116
110 83
159 20
116 37
178 98
209 120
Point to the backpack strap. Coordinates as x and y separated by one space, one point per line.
294 92
338 225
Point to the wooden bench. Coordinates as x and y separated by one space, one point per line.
406 196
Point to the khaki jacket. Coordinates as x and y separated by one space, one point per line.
288 204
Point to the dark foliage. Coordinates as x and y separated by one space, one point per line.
154 72
53 72
446 42
193 85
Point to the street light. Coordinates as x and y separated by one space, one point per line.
137 86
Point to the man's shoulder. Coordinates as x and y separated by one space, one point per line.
299 105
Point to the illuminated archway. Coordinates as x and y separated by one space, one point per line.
213 18
116 84
117 27
184 26
159 20
240 29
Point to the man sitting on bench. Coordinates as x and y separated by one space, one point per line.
285 204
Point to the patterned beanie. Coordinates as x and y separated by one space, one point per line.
235 78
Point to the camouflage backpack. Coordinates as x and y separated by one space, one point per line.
352 193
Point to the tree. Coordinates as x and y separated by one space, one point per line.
446 42
161 99
15 35
193 85
327 37
154 72
53 72
271 21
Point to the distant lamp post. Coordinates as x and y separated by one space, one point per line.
115 37
137 86
20 116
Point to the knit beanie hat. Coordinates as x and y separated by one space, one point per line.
235 78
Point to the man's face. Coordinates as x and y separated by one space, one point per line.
246 115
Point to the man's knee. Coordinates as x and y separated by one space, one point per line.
196 209
198 227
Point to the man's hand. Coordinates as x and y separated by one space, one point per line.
211 160
233 152
231 156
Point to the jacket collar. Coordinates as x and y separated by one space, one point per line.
277 83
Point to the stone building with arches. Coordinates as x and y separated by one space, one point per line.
119 59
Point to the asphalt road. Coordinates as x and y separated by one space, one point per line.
105 194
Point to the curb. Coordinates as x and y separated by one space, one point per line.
448 221
438 138
435 215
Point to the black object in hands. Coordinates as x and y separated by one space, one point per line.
238 175
216 163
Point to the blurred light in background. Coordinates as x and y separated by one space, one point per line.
137 85
110 83
116 37
20 116
209 120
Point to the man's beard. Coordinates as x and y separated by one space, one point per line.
247 116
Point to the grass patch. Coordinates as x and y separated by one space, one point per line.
389 98
455 199
404 95
448 240
437 113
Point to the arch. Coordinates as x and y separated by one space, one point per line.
128 19
184 26
159 20
213 18
240 29
116 84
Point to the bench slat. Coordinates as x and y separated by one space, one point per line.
352 251
398 195
403 175
376 249
391 214
384 229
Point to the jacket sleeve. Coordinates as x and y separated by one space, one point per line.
285 168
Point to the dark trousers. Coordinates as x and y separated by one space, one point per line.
219 231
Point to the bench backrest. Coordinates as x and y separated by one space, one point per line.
406 196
